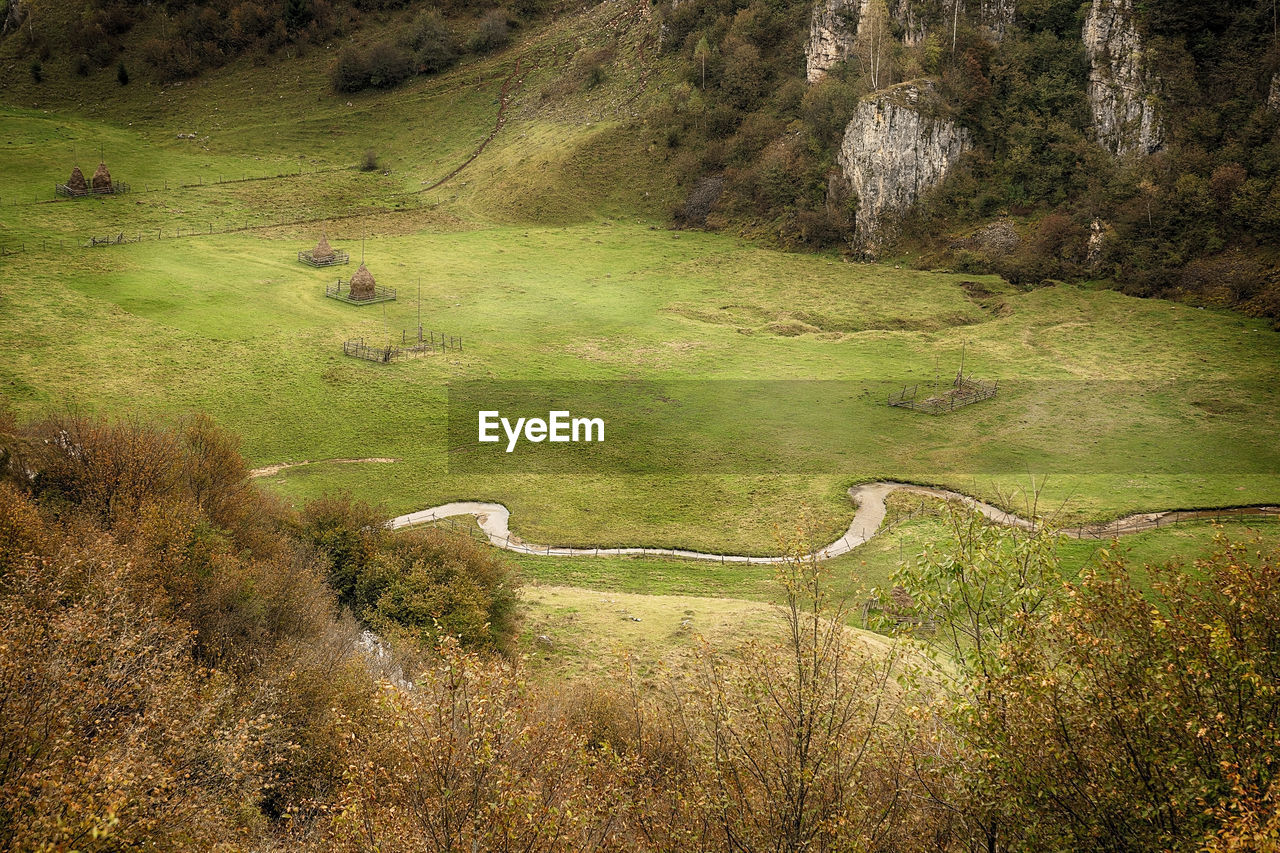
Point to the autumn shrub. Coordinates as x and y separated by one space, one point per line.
433 42
428 583
170 655
109 732
1142 721
795 740
21 528
417 585
469 760
108 469
382 65
492 32
348 532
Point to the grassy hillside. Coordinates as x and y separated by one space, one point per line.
548 254
232 325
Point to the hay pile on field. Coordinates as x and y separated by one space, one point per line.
102 179
902 602
323 251
362 284
76 182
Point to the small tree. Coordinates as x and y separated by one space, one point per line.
122 75
796 729
986 588
702 52
491 33
875 44
297 14
433 42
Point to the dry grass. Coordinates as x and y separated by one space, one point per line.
570 632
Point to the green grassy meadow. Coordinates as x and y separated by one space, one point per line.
550 256
232 325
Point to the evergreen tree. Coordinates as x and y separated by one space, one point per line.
297 13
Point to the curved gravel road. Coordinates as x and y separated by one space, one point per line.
494 520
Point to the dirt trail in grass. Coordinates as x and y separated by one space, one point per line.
494 520
269 470
504 98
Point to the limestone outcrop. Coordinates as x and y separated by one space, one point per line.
1123 96
832 30
896 147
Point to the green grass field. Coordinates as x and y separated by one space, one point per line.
549 255
234 326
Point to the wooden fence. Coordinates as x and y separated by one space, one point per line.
429 341
357 348
1181 516
173 232
339 257
380 294
963 392
116 188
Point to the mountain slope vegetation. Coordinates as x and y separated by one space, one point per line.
738 139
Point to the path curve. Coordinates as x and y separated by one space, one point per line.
494 519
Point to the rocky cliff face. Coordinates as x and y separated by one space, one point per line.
833 27
895 148
832 30
1122 94
908 17
996 16
13 17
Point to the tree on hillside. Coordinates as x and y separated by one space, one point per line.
491 33
798 732
702 52
433 42
875 44
985 588
297 14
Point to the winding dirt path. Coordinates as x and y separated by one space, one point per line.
269 470
504 98
494 519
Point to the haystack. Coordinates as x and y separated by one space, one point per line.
323 251
362 284
903 603
76 183
102 179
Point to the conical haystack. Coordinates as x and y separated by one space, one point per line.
102 179
76 183
902 600
323 251
362 284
